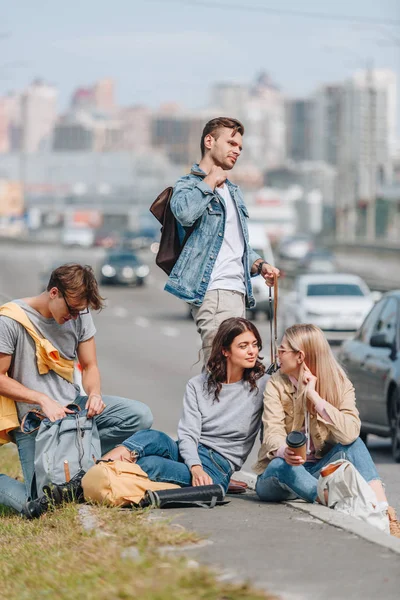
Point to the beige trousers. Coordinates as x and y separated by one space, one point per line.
217 306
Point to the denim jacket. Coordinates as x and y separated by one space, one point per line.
193 201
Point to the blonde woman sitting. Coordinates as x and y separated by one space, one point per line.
310 393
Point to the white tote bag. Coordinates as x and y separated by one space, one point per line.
349 493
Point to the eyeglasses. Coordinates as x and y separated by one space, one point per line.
281 350
74 312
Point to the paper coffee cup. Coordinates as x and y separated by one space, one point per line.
297 442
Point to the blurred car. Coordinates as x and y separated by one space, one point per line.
372 362
104 238
139 240
123 267
320 260
293 249
337 303
77 236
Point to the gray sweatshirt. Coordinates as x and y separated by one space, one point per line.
228 426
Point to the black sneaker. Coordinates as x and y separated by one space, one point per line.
33 509
54 495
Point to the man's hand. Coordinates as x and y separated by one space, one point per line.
268 272
216 177
292 459
52 409
199 476
94 405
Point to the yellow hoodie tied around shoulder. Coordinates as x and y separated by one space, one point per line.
48 359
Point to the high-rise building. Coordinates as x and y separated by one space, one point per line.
136 122
299 125
265 125
104 95
326 123
179 136
230 99
4 127
38 116
10 122
367 140
83 99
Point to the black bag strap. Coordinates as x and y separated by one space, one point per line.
273 328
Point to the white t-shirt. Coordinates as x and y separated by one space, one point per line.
228 271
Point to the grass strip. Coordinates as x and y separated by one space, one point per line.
55 557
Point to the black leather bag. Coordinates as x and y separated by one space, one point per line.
170 245
206 496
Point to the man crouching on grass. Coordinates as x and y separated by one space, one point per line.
61 315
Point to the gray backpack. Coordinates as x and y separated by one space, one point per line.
63 448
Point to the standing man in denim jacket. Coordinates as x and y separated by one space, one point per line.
214 269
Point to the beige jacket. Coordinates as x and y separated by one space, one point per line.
282 414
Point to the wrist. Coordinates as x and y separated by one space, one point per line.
40 399
313 396
260 266
196 467
211 182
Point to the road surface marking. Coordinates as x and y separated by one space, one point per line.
141 322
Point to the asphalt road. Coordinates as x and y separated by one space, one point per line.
147 347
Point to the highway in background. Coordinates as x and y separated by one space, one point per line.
147 347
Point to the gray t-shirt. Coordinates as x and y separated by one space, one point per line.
15 340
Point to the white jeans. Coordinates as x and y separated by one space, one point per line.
217 306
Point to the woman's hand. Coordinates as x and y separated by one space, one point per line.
291 458
199 476
309 380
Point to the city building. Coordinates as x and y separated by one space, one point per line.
178 135
83 99
265 125
230 99
136 127
10 122
299 128
38 116
104 100
366 146
326 123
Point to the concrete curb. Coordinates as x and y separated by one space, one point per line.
347 523
336 519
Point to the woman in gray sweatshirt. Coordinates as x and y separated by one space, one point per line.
221 416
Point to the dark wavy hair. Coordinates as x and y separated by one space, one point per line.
227 332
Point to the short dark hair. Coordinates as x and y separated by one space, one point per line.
77 282
216 366
212 128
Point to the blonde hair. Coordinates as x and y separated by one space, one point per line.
318 357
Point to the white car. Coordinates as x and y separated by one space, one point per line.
337 303
78 236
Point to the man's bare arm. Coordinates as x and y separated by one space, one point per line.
19 393
91 377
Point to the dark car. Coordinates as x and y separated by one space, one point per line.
320 260
372 362
139 240
123 268
106 238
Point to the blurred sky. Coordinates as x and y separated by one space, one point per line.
164 50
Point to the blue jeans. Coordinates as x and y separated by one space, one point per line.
120 418
158 456
280 481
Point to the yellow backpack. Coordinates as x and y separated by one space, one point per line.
119 483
